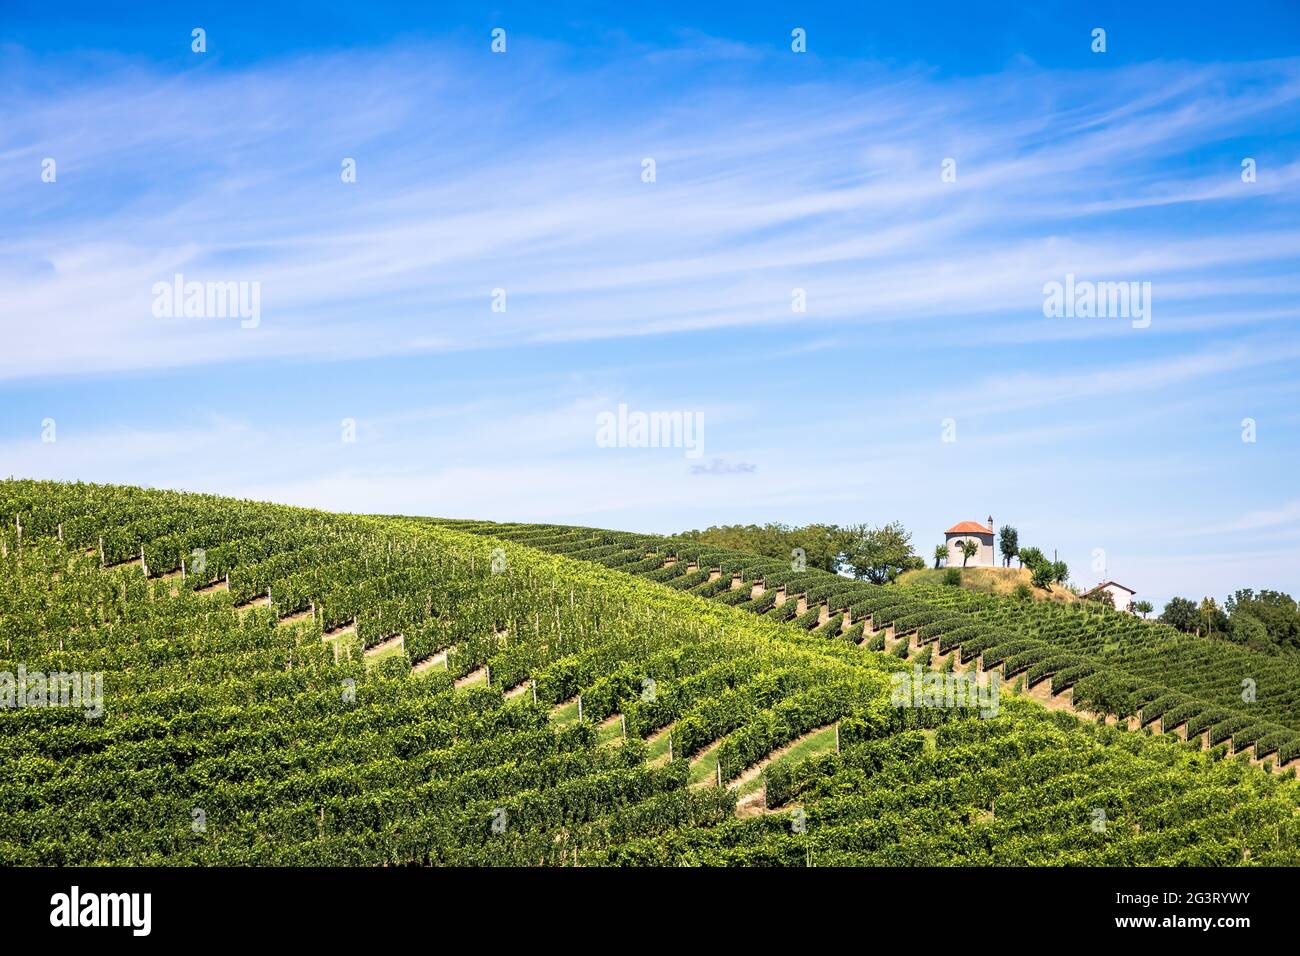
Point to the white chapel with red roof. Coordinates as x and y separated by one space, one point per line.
982 535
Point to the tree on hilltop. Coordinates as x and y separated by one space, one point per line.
1180 613
1008 544
1029 557
879 555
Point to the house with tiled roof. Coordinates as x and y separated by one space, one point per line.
1121 595
982 535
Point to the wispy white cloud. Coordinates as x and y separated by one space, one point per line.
468 182
1009 391
1284 516
924 297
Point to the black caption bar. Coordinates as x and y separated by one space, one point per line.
144 906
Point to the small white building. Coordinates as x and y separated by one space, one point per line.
982 535
1122 595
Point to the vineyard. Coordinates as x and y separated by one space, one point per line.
1092 659
283 686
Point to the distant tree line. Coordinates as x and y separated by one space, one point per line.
875 554
1264 621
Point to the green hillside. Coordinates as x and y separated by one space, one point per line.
283 686
1096 660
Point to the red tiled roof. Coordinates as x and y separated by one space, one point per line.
969 527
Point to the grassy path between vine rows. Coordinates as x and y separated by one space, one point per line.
657 746
473 677
295 618
339 632
812 744
392 647
610 730
565 714
261 601
439 659
751 786
704 766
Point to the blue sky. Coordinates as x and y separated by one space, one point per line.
774 171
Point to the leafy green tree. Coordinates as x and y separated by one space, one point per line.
1061 572
1180 613
1141 607
1246 629
879 554
940 555
1042 574
1100 596
1029 557
1211 619
1276 611
1008 544
969 549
